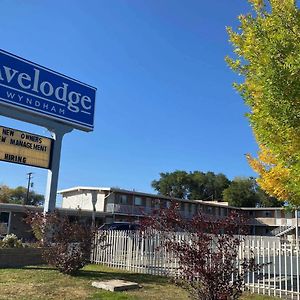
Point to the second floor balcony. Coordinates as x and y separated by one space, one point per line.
140 210
128 209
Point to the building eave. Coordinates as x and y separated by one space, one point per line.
83 188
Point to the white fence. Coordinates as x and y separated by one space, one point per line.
135 252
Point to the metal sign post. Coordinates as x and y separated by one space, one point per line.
53 172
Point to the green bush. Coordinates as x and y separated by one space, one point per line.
11 241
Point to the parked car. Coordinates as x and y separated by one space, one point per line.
120 226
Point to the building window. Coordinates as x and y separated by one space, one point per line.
163 203
268 214
156 203
209 209
138 201
193 208
4 220
148 202
123 199
182 206
4 217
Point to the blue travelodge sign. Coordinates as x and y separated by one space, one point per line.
40 91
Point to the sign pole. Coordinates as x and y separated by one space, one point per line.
52 180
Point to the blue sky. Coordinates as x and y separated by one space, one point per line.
165 99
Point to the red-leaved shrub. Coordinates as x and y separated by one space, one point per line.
208 255
66 245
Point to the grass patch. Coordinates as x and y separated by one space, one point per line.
45 283
32 283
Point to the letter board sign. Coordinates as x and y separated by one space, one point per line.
37 90
25 148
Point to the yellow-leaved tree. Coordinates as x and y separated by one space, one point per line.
267 56
273 176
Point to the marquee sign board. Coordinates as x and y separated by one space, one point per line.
37 90
25 148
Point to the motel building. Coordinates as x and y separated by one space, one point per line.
119 205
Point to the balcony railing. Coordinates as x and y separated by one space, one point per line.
139 210
272 221
128 209
187 214
144 210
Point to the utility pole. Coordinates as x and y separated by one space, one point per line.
28 187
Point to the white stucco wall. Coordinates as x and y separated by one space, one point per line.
83 200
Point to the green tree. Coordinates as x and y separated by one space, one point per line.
207 186
18 195
192 185
245 192
175 184
242 193
267 49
